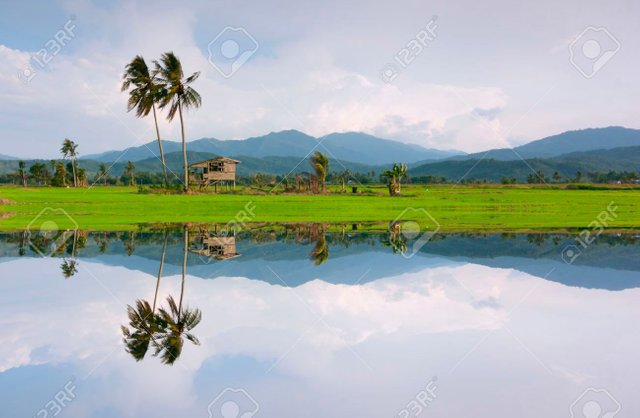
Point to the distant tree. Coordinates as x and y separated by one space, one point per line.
320 164
343 177
103 174
556 177
22 173
69 149
60 175
394 177
578 176
130 173
540 177
39 173
82 177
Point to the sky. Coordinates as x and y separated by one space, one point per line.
459 75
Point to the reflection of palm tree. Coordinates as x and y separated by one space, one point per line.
178 323
395 240
145 325
320 253
69 268
131 245
165 330
143 319
164 251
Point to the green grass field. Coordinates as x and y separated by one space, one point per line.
455 208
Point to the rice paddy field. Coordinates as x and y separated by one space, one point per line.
445 207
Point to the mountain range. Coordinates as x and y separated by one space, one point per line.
278 153
564 143
351 146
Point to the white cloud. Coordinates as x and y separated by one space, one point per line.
316 70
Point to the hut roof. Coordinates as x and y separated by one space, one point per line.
225 159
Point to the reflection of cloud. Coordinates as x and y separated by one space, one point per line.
404 304
404 327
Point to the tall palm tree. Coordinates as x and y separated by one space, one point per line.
177 94
320 163
144 93
69 149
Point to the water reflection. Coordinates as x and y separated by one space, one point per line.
166 329
219 250
326 314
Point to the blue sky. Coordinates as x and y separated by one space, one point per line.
497 74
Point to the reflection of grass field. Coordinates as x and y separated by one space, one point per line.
459 208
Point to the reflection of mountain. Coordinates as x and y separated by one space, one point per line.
361 257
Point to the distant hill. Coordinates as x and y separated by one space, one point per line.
617 159
564 143
248 165
7 157
353 146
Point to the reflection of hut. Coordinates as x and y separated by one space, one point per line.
214 245
220 170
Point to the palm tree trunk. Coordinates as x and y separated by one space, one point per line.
184 267
164 166
164 251
73 168
184 150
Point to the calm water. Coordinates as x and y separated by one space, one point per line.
308 322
